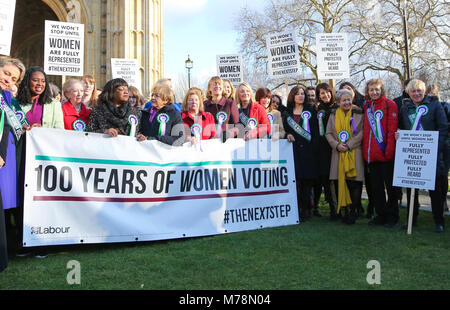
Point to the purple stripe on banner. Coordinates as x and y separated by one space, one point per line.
175 198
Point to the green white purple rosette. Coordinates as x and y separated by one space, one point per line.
163 119
344 136
221 118
420 111
320 116
306 115
252 123
378 115
133 121
79 125
271 118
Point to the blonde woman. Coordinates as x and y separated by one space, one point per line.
228 89
252 115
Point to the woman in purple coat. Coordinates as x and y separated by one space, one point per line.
11 129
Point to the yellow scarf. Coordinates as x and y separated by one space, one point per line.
347 167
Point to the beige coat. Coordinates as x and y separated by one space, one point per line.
277 132
355 144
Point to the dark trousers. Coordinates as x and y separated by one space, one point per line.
437 205
322 182
355 189
381 175
304 188
368 184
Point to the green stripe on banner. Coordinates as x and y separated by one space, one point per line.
143 163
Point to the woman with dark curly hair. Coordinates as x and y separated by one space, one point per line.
114 115
35 99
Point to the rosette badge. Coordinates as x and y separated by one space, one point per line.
20 116
133 121
306 115
420 111
252 123
196 130
344 136
221 118
163 119
79 125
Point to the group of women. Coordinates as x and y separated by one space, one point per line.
339 139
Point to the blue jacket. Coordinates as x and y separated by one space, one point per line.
177 106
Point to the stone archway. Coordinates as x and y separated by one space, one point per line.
29 27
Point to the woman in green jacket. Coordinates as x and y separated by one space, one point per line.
35 99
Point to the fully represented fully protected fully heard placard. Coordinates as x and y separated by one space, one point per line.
416 159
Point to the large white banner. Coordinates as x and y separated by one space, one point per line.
63 48
416 154
283 55
91 188
332 56
7 9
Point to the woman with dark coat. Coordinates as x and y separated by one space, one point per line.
162 121
326 105
303 132
114 115
424 112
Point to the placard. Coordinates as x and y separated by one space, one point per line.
416 159
229 67
283 55
7 9
63 48
127 69
332 56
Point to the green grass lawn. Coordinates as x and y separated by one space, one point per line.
317 254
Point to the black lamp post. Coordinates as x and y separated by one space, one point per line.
189 64
405 33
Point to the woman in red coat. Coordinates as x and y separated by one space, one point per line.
380 125
76 115
252 115
200 125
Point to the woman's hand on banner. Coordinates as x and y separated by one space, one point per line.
290 138
112 132
140 137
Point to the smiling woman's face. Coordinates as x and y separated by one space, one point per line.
37 83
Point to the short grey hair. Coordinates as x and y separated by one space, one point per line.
342 92
69 84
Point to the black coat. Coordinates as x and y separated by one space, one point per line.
305 152
175 131
324 152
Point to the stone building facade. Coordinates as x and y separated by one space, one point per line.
113 29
